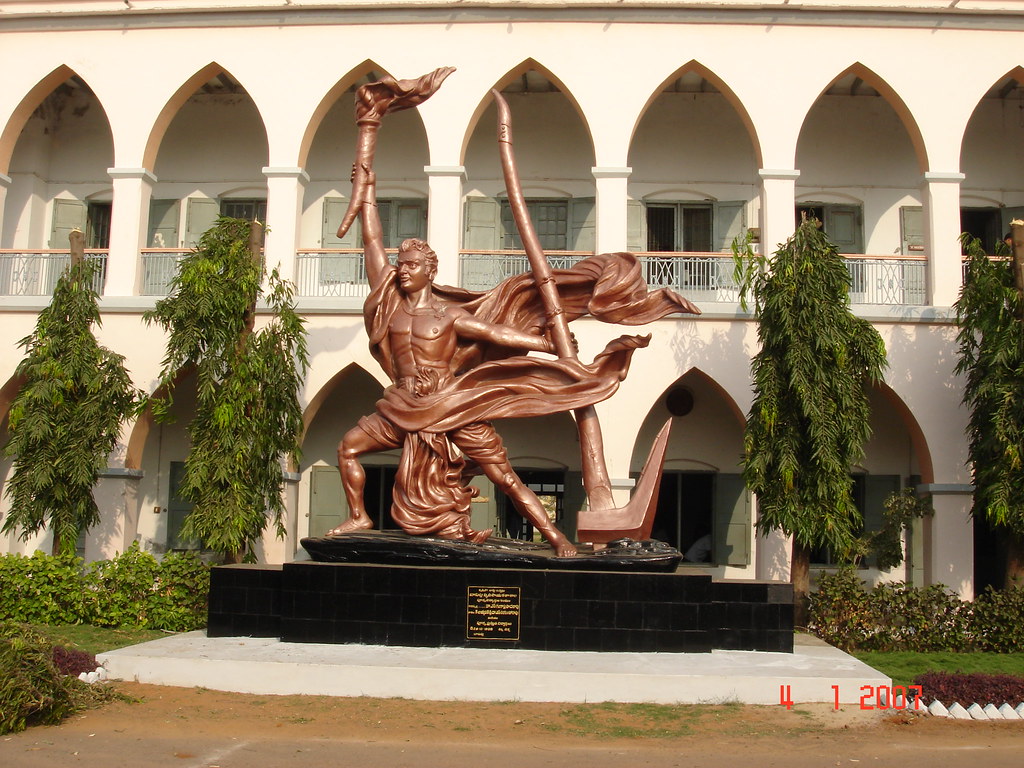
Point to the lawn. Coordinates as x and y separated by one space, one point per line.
904 666
96 639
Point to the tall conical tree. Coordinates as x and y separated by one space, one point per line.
66 417
248 417
810 415
990 312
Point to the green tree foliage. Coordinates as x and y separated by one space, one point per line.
66 417
248 417
991 341
810 415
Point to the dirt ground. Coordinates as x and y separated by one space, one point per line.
200 728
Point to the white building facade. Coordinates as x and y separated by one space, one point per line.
665 128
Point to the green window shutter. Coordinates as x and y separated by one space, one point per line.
334 210
732 530
164 216
178 508
200 215
636 226
68 215
1009 214
584 224
843 226
483 224
730 222
912 230
327 504
408 219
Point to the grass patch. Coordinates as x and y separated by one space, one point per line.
611 720
904 666
95 639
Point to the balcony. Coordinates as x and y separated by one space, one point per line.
333 272
890 280
35 272
159 266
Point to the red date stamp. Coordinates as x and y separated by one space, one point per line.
872 696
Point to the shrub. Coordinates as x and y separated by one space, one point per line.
999 620
900 617
41 589
33 690
132 590
974 688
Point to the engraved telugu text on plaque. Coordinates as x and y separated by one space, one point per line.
492 613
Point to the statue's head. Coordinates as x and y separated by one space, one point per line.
411 244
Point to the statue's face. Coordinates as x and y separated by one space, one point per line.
414 274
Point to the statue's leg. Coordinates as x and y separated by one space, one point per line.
482 444
371 435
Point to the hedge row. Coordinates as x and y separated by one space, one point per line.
900 617
132 590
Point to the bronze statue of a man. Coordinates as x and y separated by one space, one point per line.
458 359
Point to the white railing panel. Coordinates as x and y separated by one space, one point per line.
35 273
892 281
158 269
482 270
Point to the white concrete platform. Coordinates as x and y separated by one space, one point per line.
268 666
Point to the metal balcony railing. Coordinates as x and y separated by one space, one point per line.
333 272
892 280
482 270
159 266
25 272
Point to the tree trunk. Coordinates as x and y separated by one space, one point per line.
1014 561
55 549
800 578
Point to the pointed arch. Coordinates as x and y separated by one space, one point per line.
320 112
1015 75
328 388
695 67
886 91
174 105
12 131
913 427
735 420
517 72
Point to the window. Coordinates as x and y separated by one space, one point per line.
550 218
97 228
549 485
869 495
842 223
250 210
679 226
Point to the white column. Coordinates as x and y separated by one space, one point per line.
778 206
612 219
444 218
133 189
285 190
941 194
5 182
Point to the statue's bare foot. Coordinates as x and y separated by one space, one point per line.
565 549
479 537
354 523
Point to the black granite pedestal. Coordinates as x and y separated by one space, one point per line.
435 606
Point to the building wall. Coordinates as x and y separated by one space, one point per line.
765 133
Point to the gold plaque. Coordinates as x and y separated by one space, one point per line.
492 613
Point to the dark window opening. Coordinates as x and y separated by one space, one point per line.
679 227
984 224
549 485
685 511
250 210
97 229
